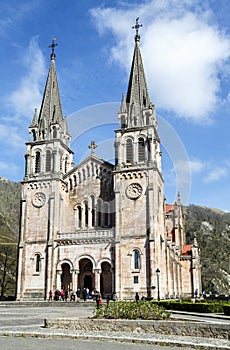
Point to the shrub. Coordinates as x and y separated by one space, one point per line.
226 309
201 307
133 310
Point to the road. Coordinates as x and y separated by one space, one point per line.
14 343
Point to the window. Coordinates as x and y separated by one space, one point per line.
86 214
93 210
141 150
136 257
37 163
37 263
99 213
106 210
129 151
48 161
135 279
66 165
123 121
55 132
147 120
79 215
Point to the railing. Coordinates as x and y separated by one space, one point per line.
87 234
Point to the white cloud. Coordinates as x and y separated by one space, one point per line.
216 175
28 94
197 166
184 54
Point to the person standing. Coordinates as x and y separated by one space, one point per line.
78 294
137 296
50 295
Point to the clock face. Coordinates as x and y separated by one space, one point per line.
39 199
134 190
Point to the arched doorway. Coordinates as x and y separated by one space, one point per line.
66 277
106 279
86 276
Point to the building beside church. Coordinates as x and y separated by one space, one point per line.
99 225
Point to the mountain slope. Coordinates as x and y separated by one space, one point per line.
212 229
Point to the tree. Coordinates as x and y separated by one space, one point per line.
8 268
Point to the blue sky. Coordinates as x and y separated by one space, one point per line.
186 54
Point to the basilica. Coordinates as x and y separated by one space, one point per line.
98 225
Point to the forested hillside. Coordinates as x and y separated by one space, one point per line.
9 227
212 228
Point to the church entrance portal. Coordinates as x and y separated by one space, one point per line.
106 279
66 277
88 282
86 276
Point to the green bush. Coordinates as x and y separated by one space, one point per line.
133 310
226 309
201 307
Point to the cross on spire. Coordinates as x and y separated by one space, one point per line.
53 44
92 146
137 26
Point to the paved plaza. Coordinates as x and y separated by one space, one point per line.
21 323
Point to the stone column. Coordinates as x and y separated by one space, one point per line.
97 273
75 280
59 272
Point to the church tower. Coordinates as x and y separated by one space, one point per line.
48 159
139 194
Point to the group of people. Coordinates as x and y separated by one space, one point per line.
64 295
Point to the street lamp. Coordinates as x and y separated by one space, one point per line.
158 284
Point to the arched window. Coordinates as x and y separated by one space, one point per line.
135 121
141 149
147 120
93 210
66 164
61 162
79 216
123 121
86 214
37 162
34 135
70 184
55 132
48 161
75 180
129 151
106 210
37 263
99 213
136 260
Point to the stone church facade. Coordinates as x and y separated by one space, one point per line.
99 225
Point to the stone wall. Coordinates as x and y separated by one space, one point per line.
181 328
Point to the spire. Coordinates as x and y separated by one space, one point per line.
137 98
123 108
35 119
51 115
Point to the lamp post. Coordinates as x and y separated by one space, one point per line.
158 284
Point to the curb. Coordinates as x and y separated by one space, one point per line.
197 343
